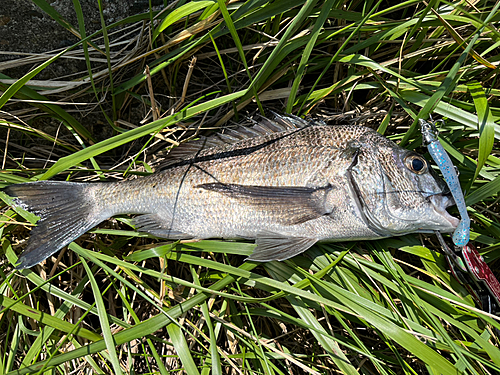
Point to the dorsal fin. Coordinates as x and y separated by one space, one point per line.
263 127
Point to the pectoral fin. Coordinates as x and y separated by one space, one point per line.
279 248
289 205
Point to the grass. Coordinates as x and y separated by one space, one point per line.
122 302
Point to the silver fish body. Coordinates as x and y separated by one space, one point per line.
286 183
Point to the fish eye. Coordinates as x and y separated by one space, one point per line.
416 163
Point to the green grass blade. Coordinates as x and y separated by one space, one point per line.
329 345
103 318
324 14
28 93
10 304
273 58
56 16
179 13
450 80
486 125
486 191
19 84
182 349
137 331
120 139
214 353
236 39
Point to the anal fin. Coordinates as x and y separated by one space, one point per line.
279 248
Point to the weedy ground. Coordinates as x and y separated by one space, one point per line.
122 302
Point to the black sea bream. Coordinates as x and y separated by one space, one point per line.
286 182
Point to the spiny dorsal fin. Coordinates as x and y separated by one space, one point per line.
263 127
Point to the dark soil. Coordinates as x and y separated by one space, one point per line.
25 29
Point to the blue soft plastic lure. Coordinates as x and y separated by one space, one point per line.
438 153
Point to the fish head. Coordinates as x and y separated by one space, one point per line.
398 192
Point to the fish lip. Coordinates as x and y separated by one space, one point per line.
440 202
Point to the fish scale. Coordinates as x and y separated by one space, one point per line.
287 183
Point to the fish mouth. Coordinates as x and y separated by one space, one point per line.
440 202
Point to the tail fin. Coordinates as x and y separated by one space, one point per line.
66 211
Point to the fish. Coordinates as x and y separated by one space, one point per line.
284 182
